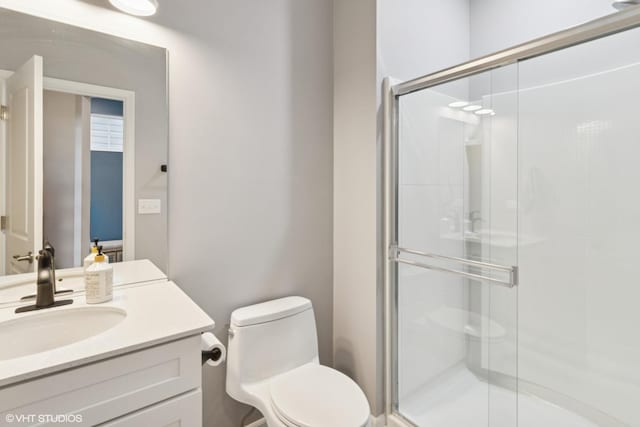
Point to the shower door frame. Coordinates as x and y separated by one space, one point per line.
392 90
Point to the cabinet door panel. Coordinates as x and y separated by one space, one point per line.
181 411
105 390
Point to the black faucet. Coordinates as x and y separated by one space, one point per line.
46 282
52 268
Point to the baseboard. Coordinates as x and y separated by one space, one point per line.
258 423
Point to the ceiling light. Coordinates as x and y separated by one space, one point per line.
485 111
458 104
472 108
137 7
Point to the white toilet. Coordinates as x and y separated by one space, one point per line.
272 364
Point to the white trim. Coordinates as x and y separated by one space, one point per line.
3 76
128 170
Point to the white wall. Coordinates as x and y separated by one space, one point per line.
250 176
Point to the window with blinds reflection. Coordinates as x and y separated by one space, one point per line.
107 133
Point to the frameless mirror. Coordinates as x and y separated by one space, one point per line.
83 144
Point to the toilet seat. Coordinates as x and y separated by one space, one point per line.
313 395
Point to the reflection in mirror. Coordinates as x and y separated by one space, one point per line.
83 141
89 130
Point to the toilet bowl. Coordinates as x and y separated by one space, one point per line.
272 364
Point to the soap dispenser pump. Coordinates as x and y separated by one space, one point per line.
98 280
90 259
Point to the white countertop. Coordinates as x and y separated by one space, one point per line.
14 287
157 312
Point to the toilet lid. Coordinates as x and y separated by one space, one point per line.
313 395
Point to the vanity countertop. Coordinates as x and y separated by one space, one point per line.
156 312
14 287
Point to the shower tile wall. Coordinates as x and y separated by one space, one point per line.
579 175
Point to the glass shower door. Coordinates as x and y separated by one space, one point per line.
455 347
534 165
579 351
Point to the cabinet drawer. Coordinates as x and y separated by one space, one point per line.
111 388
181 411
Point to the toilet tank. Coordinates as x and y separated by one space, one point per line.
268 339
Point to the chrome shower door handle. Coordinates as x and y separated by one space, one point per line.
395 253
29 257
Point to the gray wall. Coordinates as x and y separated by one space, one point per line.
357 320
59 130
251 162
86 56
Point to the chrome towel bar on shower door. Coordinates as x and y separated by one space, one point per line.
395 253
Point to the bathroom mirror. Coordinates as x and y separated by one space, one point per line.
83 144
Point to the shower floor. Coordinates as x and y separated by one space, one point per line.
460 399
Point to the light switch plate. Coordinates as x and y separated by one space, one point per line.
149 206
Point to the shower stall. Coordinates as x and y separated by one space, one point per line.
512 228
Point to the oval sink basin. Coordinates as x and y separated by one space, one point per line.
47 331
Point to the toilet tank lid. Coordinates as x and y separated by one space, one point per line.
269 311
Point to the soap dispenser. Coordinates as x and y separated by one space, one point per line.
98 280
89 259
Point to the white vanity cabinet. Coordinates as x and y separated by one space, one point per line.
157 386
145 370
